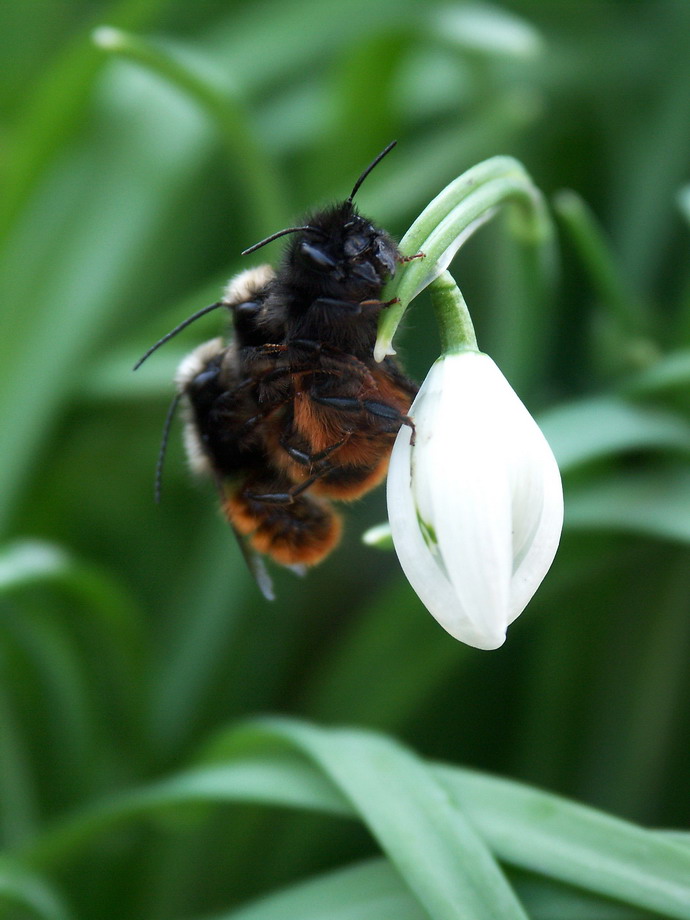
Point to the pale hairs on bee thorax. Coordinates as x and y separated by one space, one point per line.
247 285
190 367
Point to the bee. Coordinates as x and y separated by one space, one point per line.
294 411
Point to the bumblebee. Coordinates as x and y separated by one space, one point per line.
294 411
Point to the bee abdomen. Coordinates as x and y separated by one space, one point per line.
301 532
346 483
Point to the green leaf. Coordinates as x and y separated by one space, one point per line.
425 835
595 252
28 563
591 429
684 202
653 503
23 889
576 844
485 29
672 372
373 889
56 108
369 891
417 812
56 261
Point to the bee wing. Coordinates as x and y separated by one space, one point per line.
299 570
256 566
254 560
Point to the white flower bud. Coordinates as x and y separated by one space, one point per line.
476 505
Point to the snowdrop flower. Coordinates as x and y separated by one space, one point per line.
476 504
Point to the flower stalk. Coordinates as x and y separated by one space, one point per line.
454 321
182 69
450 220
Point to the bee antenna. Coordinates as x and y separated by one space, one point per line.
169 416
274 236
374 162
166 338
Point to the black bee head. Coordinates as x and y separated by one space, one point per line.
341 255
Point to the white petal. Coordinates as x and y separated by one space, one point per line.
471 502
515 442
418 562
531 569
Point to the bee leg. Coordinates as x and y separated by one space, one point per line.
383 410
349 363
379 409
270 349
260 416
288 497
305 459
418 255
309 344
375 305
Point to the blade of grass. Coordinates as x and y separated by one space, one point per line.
426 836
72 282
672 372
576 844
652 503
373 889
368 891
591 429
28 564
594 250
280 762
18 805
56 107
180 67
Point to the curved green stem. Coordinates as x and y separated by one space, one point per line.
453 317
179 67
451 218
595 252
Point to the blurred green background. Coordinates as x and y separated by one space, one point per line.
130 633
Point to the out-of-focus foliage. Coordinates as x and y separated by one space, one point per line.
132 634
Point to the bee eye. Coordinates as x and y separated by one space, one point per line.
317 255
246 308
355 245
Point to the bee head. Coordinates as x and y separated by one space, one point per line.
342 254
337 253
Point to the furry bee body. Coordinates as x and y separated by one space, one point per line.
294 411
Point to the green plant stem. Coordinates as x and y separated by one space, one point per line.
594 250
453 318
55 109
213 94
451 218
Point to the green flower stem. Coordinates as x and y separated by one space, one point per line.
594 251
684 202
451 218
54 108
179 67
453 317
